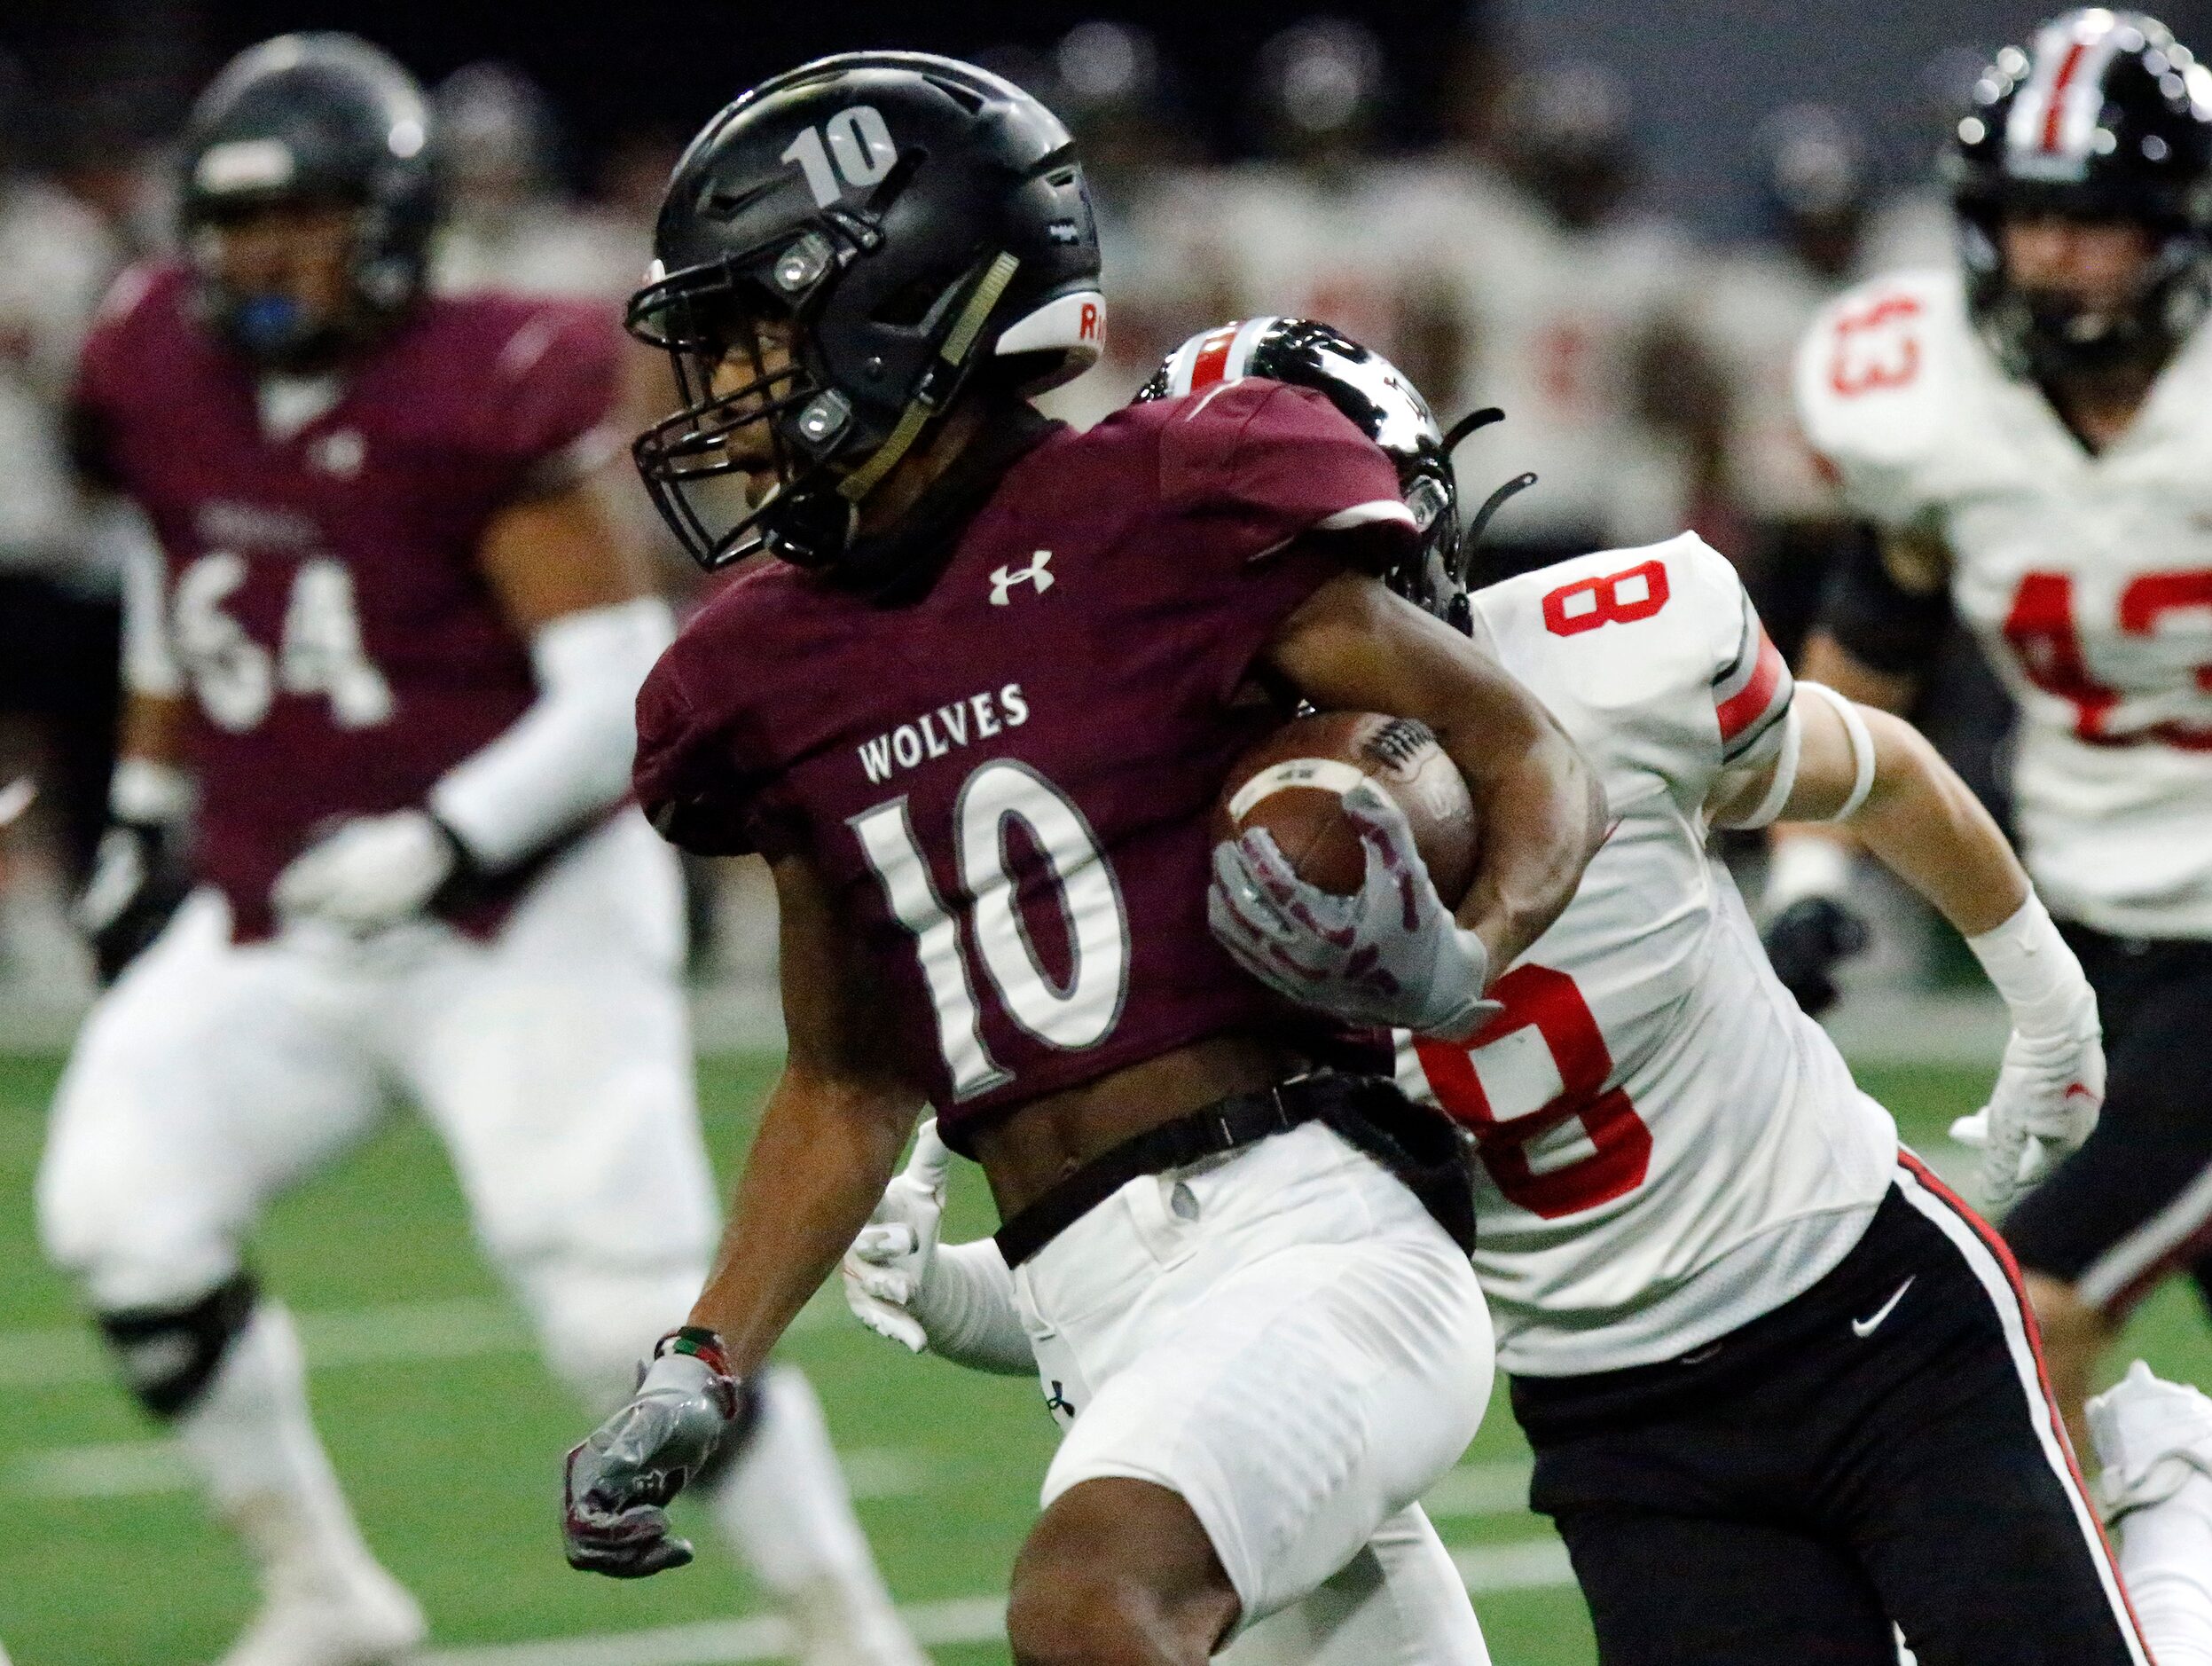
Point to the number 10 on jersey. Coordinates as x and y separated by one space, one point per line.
1073 1013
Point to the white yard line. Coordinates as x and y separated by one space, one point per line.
711 1642
137 1469
119 1469
404 1332
891 1472
1529 1565
1518 1565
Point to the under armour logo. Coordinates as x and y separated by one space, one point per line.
1058 1401
340 453
1004 578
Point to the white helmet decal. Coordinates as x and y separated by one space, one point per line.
1071 324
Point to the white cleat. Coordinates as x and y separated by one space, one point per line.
2152 1437
369 1621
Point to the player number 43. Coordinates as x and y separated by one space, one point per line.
1078 1011
2041 630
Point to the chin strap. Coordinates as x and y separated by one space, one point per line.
936 381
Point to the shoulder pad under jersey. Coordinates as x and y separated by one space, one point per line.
1879 380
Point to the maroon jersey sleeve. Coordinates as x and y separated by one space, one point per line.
687 776
102 377
1266 493
543 415
1259 463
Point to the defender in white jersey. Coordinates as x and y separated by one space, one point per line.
1781 1385
2033 439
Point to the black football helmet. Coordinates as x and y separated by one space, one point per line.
2103 117
312 118
923 228
1383 405
1566 138
1814 169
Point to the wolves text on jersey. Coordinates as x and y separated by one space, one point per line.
936 732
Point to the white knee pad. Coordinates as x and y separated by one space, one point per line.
129 1247
596 1322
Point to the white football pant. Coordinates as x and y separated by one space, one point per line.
554 1062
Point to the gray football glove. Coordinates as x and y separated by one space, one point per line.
620 1480
1390 955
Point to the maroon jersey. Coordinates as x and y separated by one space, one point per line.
323 602
1007 783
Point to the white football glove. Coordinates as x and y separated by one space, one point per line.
955 1300
1390 954
889 1263
2049 1092
371 872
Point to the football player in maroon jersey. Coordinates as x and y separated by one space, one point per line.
392 648
975 704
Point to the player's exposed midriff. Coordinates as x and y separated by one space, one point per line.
1025 1151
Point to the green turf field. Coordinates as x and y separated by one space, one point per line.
448 1436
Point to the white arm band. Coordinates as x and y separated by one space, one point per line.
1861 749
567 757
967 1310
1804 865
1777 793
2041 982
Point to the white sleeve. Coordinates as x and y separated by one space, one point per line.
1653 659
567 757
967 1310
1752 689
150 665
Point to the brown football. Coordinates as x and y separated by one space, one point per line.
1292 784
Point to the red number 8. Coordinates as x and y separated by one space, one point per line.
1607 605
1537 997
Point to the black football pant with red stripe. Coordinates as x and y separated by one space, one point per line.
1880 1450
2134 1205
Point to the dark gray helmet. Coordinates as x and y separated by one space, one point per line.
313 118
922 226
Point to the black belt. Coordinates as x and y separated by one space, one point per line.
1419 1146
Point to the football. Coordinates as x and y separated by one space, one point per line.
1293 784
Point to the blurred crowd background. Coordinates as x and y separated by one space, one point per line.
1613 220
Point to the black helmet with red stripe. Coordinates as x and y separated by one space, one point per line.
2103 117
1383 405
